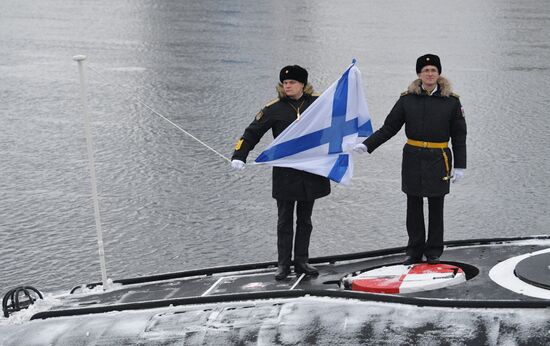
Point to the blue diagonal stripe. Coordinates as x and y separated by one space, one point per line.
365 130
339 108
306 142
333 135
339 169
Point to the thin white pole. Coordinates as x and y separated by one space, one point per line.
80 59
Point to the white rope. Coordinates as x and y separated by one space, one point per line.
160 115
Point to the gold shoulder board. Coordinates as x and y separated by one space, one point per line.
272 102
316 94
455 95
404 93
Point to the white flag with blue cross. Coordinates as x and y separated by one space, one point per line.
322 139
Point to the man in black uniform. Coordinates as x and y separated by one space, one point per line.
291 187
432 115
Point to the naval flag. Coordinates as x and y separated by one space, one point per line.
322 139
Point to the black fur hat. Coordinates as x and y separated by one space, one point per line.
295 72
428 59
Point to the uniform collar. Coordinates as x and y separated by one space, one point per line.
303 97
433 91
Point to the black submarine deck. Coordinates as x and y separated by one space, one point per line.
256 281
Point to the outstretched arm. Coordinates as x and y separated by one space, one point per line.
393 123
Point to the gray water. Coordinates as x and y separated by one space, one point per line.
169 204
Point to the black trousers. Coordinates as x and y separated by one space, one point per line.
418 244
285 230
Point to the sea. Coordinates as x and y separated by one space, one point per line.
171 85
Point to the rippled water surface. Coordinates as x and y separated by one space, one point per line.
169 204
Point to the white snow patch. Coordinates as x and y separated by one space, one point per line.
305 320
109 287
39 305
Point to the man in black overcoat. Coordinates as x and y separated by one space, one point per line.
432 115
291 188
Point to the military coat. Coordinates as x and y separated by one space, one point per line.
429 118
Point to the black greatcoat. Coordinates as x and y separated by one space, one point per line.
288 183
435 118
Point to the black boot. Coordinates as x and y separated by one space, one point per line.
305 268
433 259
282 272
411 260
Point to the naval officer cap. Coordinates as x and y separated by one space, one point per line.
294 72
428 59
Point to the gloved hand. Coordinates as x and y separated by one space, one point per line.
237 165
360 148
458 174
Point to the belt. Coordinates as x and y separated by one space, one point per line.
431 145
434 145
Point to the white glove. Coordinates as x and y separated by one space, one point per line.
360 148
237 165
458 174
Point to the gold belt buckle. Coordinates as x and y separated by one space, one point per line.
425 144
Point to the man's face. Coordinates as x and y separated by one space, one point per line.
293 88
429 75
